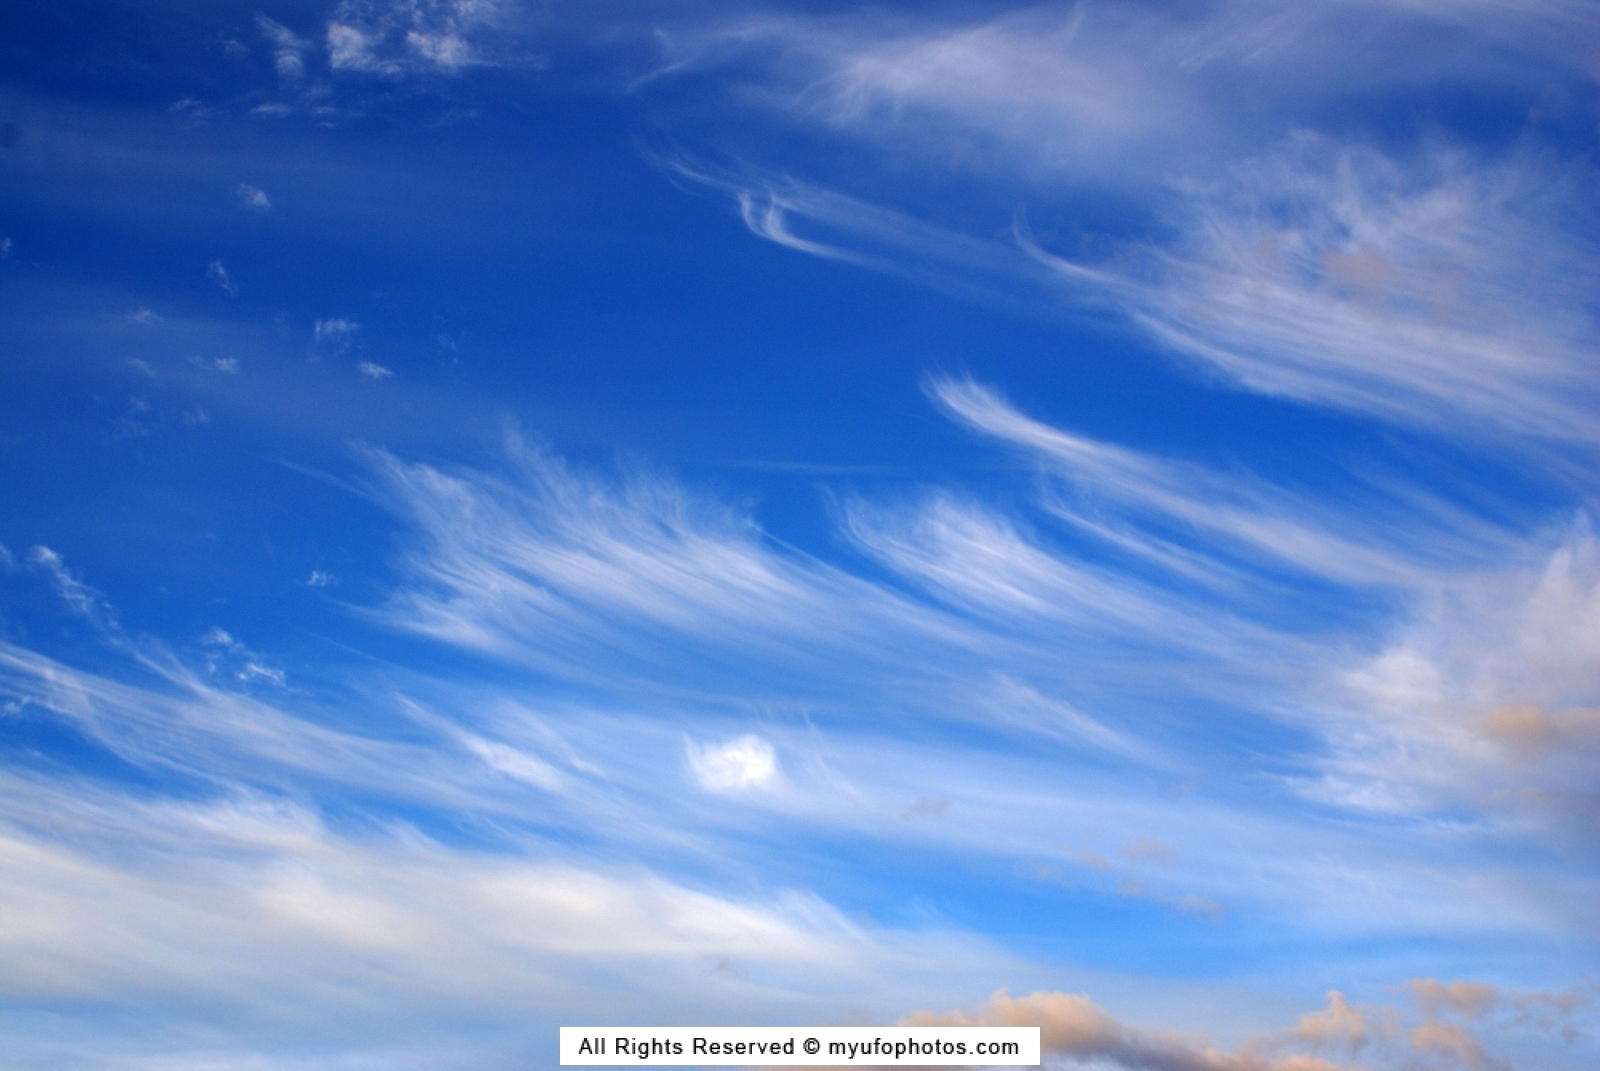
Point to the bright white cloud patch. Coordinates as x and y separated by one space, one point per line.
747 762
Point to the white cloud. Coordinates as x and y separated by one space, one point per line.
1424 284
5 248
418 36
369 370
1436 291
1110 94
1378 544
514 763
230 658
1490 699
1433 291
334 329
82 598
256 200
143 316
288 49
550 568
744 763
249 916
219 272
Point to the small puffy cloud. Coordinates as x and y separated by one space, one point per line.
444 50
218 271
319 579
226 656
143 316
217 637
288 48
369 370
334 329
744 763
226 365
252 197
196 417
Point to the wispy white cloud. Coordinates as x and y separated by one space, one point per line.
550 563
1490 698
80 597
1369 544
218 272
252 197
228 656
334 329
226 365
289 49
247 913
1425 284
372 371
1434 291
549 568
1117 93
335 335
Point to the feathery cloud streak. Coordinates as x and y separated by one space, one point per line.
1424 281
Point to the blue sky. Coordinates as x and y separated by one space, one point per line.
516 515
